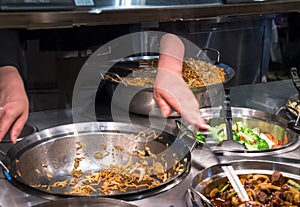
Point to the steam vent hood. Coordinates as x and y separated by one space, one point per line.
32 5
43 14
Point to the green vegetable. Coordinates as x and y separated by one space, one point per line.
262 144
218 134
236 137
293 184
252 138
231 194
224 187
200 137
241 133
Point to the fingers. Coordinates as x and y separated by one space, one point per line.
163 105
2 130
196 120
5 123
17 129
186 105
10 118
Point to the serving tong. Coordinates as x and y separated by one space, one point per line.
296 81
231 144
227 145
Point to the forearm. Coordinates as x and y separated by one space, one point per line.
10 79
12 87
171 54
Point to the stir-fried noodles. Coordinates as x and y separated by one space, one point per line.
116 177
195 73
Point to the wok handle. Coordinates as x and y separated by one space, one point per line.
2 155
5 168
2 158
214 50
112 76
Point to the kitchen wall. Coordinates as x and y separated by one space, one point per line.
54 57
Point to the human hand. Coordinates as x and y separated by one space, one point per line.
14 106
170 90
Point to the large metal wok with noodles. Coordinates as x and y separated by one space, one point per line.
139 100
98 159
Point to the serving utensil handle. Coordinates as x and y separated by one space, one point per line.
295 79
228 114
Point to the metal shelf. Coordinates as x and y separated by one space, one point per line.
91 16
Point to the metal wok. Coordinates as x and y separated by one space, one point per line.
48 156
86 201
139 100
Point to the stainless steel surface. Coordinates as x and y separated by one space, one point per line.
124 14
266 97
21 5
84 201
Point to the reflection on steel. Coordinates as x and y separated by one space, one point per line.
101 15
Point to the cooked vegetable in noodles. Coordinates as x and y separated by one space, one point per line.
263 191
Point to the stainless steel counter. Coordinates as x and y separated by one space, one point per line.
113 13
265 96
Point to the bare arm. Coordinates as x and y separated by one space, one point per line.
170 90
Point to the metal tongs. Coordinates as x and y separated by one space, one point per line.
296 81
229 144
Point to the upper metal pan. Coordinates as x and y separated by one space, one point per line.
49 156
139 100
